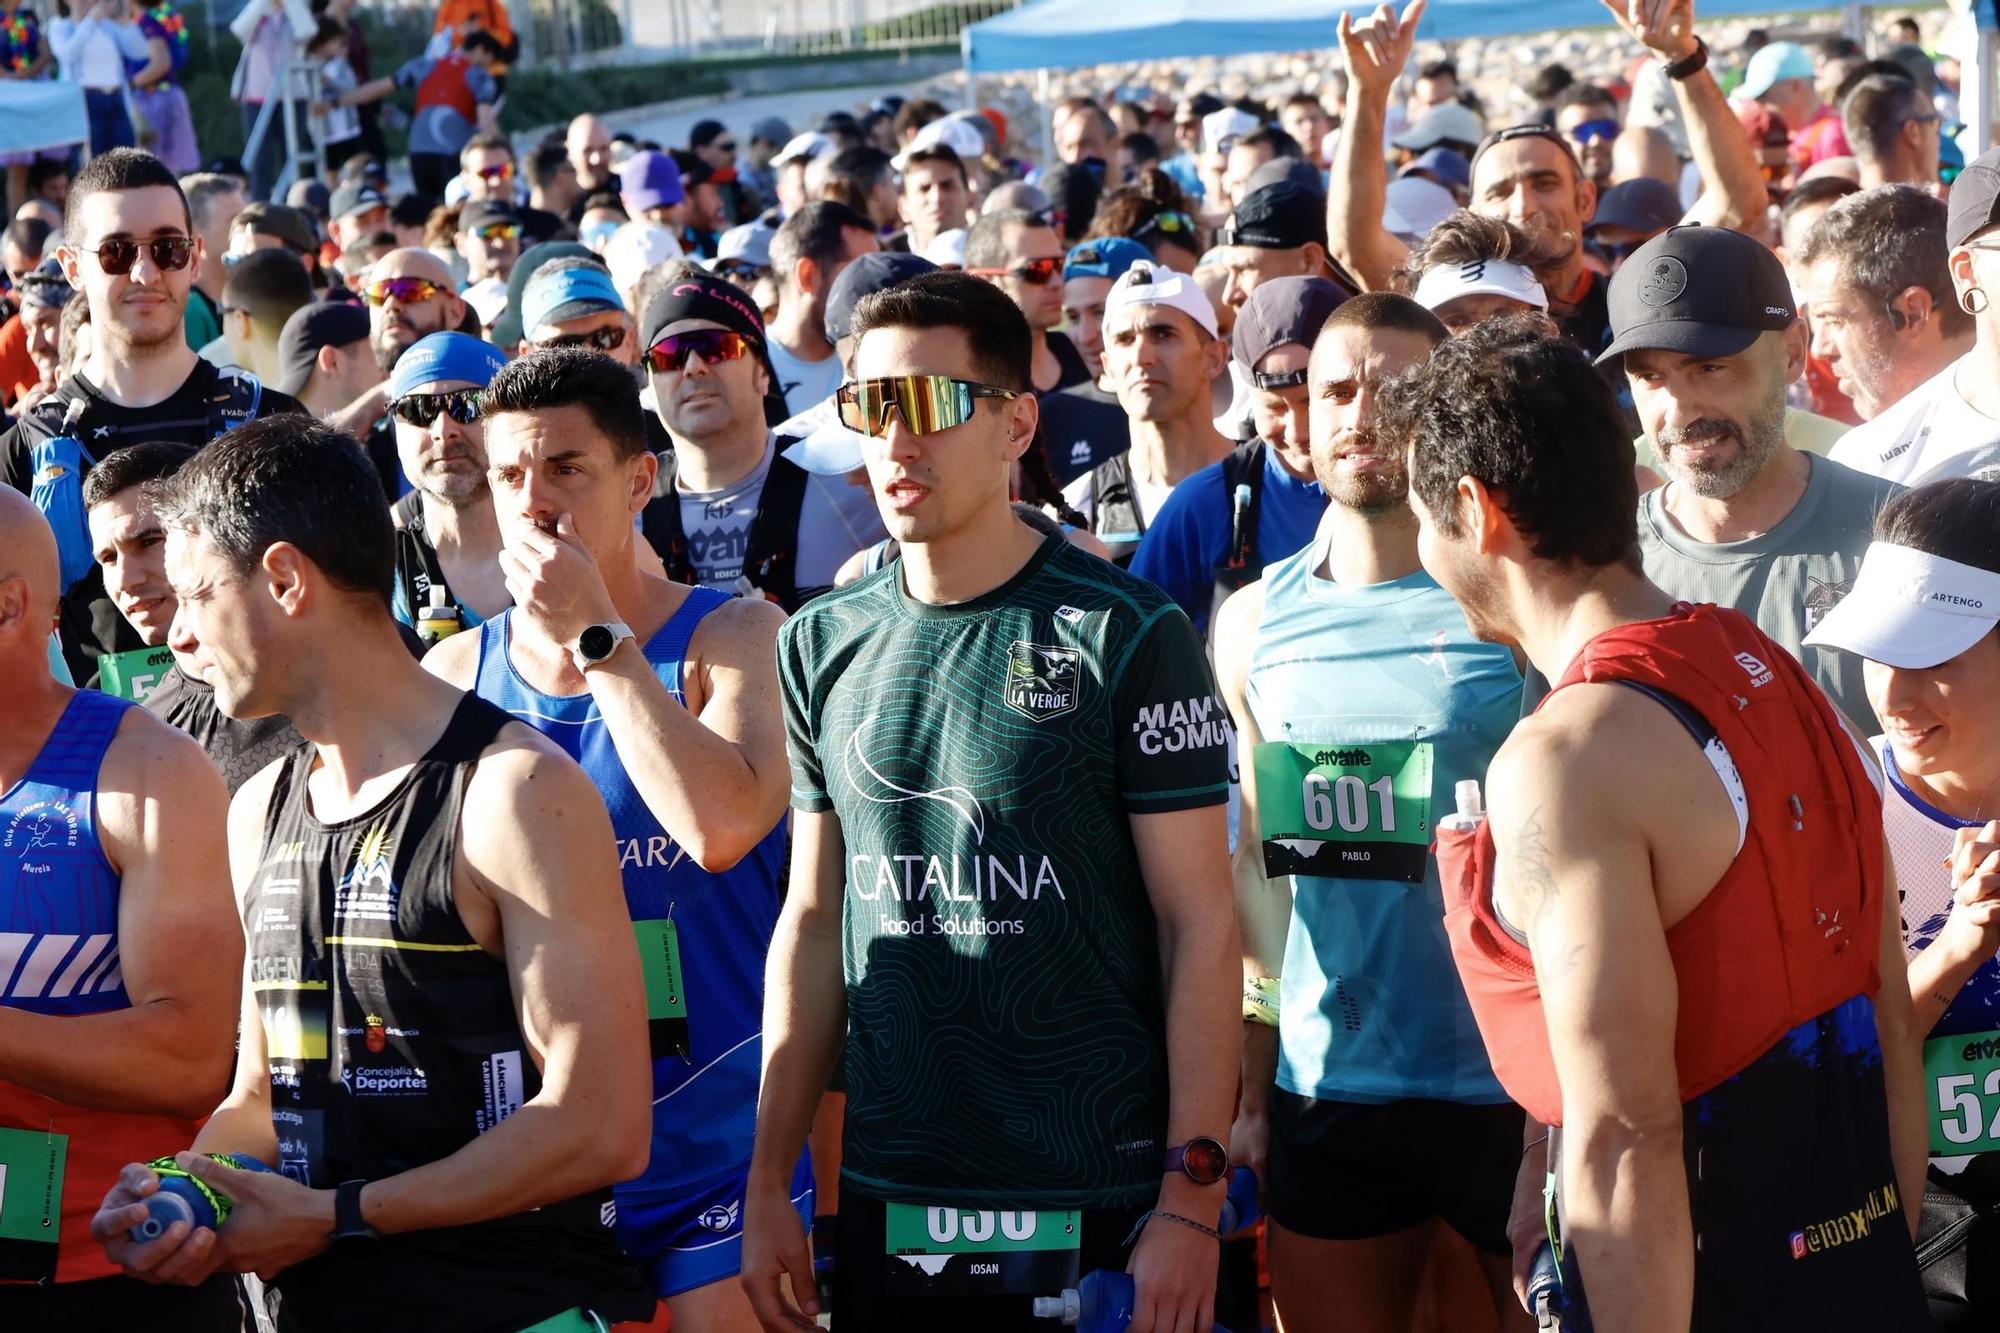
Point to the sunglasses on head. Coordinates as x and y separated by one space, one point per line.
1036 271
1594 131
924 403
421 409
408 291
1290 379
1547 132
500 171
607 339
170 254
500 231
1173 224
711 345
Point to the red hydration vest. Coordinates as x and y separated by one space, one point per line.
446 85
1791 930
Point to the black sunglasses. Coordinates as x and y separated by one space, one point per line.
170 254
607 339
421 409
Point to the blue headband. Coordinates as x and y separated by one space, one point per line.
555 295
445 356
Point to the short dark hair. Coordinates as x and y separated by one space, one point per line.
1548 82
1876 111
1957 519
1587 94
28 235
817 232
706 132
327 29
42 172
916 113
552 377
545 163
1521 408
1466 237
289 478
1837 46
270 285
1280 143
135 465
1818 190
481 40
1439 69
1387 310
984 246
995 329
853 174
1140 147
1889 239
500 141
411 210
1306 99
119 169
937 152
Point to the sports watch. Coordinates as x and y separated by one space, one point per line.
598 642
347 1221
1202 1160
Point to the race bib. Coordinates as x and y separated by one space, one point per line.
1962 1078
666 990
945 1251
134 675
1345 811
31 1188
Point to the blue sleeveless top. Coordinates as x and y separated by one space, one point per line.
704 1101
1372 1009
58 891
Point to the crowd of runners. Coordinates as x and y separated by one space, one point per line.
1371 713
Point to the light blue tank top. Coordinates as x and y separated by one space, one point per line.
1371 1005
704 1104
58 891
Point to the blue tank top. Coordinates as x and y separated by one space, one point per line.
58 891
705 1067
1371 1005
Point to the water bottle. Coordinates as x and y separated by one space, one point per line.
181 1198
1101 1303
1471 811
440 619
1240 1207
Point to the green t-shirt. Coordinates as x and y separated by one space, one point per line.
1006 1040
201 320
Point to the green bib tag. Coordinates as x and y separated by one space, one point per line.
1962 1079
946 1251
134 675
1345 811
31 1190
666 989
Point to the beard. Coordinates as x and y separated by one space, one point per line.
1757 438
1372 493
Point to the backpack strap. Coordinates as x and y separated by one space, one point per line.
240 394
770 558
1115 504
1242 563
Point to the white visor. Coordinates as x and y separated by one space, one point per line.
1480 277
1911 610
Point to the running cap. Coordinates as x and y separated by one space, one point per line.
1106 257
1451 122
1280 311
703 296
355 197
1149 283
1447 166
947 248
650 180
961 136
557 294
1975 199
1703 291
804 146
445 356
1774 63
1642 205
484 212
1221 129
773 130
1479 277
1911 609
289 225
311 327
748 243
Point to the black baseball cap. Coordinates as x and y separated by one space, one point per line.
1281 216
357 197
311 327
1975 199
288 224
1703 291
482 212
868 274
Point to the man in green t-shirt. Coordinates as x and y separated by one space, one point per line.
1010 883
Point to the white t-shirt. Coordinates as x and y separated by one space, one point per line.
836 519
804 383
336 76
488 299
1930 435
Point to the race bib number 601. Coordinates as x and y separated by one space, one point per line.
1345 811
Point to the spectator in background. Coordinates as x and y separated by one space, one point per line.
1089 270
24 55
93 51
356 210
1279 231
21 246
1876 278
707 209
1020 253
262 292
262 226
1436 85
807 254
1545 89
759 177
1645 152
552 191
325 362
1073 194
864 180
1627 216
654 197
491 170
588 143
441 239
165 123
407 216
456 96
1249 152
1783 78
1184 167
489 241
1834 59
1588 118
602 215
410 295
936 194
43 293
1893 130
1808 202
338 125
1305 119
270 31
1132 153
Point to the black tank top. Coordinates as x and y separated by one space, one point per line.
392 1042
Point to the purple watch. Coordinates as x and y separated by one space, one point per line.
1202 1160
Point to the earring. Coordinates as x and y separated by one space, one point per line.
1966 304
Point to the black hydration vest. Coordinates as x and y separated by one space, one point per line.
1116 504
771 554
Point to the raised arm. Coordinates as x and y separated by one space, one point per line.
1733 193
1376 49
1575 874
161 814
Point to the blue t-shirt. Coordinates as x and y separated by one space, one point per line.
1189 537
440 127
1371 1007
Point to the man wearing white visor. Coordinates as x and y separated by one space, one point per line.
1462 295
1922 616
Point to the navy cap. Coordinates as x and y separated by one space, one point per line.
311 327
1642 205
1702 291
1975 199
1280 311
870 273
479 213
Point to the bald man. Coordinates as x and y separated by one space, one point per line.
1645 152
410 295
123 954
588 143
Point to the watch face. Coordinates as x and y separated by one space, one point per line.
1206 1162
595 643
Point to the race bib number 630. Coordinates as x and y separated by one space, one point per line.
1345 811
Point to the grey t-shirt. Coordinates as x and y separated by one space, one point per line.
1788 578
836 519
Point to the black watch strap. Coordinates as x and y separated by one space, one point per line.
347 1221
1690 64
